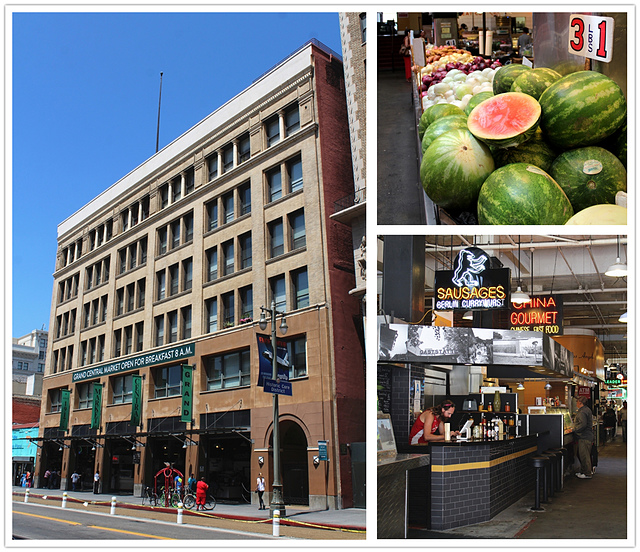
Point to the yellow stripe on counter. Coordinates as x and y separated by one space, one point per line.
480 465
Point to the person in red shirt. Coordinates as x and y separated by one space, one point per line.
429 426
201 493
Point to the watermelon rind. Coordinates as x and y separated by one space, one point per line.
440 126
434 112
589 176
604 214
535 82
453 169
535 151
476 99
617 143
505 75
581 109
505 120
522 194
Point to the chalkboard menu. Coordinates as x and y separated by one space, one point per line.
384 388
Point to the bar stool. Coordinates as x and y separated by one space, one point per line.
540 464
552 471
560 453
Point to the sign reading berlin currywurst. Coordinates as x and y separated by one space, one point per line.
472 284
142 361
543 313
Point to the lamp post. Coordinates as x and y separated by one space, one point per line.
277 502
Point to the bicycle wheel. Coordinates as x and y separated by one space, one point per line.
153 499
175 499
210 503
189 501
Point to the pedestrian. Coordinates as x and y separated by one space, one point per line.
622 420
524 40
191 483
28 480
75 476
201 493
405 51
260 490
609 421
96 482
583 428
47 476
178 483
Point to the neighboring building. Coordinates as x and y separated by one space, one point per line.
25 416
172 264
29 354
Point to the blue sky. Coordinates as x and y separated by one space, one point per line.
84 95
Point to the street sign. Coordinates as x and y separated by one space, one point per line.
322 451
277 387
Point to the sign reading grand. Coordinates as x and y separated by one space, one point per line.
142 361
472 284
543 313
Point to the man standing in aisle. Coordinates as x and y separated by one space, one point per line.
622 420
583 428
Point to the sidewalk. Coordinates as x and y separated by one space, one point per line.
348 519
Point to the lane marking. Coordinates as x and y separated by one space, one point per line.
129 532
47 517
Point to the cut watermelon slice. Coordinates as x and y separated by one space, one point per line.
506 120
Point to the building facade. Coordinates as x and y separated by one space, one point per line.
171 265
29 354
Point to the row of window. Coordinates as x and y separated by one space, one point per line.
96 237
24 365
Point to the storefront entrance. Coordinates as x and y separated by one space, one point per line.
162 452
81 460
117 474
227 465
295 466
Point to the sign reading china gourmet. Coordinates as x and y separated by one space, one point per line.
472 284
141 361
543 313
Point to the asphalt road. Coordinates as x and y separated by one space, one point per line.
41 522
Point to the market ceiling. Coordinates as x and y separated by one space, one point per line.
571 266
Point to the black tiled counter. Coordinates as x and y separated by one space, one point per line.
472 481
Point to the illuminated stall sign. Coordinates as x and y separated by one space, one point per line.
472 284
542 314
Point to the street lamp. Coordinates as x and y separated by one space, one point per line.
277 502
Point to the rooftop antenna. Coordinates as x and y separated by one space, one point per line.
159 100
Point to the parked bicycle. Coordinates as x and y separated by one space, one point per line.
149 497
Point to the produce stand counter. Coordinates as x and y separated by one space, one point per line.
471 481
392 492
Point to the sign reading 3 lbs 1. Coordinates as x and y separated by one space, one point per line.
591 36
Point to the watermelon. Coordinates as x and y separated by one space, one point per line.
506 120
617 144
589 176
582 109
434 112
522 194
454 168
535 82
441 126
533 152
505 75
476 99
600 214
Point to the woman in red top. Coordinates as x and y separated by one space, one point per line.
429 426
201 494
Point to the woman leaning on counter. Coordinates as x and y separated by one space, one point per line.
429 426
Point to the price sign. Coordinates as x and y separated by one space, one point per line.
591 36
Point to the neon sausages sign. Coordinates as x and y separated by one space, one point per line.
472 284
542 314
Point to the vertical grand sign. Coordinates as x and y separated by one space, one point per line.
136 400
64 409
96 408
187 393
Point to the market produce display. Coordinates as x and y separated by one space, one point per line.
528 121
522 194
600 214
589 176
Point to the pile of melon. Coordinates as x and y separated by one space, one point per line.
538 148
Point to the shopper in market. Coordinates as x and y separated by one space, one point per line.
405 51
583 428
523 40
622 420
429 426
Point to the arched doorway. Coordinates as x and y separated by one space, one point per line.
293 460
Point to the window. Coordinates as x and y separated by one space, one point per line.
122 388
119 301
212 264
128 340
244 148
294 174
162 241
246 304
89 277
141 292
244 198
297 349
103 308
100 347
40 367
131 297
143 250
173 280
189 184
272 128
292 119
227 203
227 251
185 315
86 319
212 165
300 283
187 220
298 235
161 285
187 274
175 233
168 381
274 184
212 215
55 400
228 370
117 343
144 202
95 311
172 318
276 238
278 292
159 330
176 188
227 158
124 217
133 256
244 241
211 312
228 306
122 261
139 336
84 346
164 196
85 395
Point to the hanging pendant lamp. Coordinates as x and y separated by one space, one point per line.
617 269
519 296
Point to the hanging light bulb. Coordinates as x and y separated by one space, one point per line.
467 315
617 269
547 386
623 318
519 296
520 386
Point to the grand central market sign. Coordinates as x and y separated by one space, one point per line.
472 284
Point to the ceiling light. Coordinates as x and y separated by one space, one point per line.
520 296
467 315
623 318
520 386
617 269
547 386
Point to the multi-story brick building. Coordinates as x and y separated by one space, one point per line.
171 265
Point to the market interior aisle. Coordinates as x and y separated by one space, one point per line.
400 194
